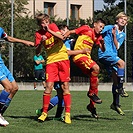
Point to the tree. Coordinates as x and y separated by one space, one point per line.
109 2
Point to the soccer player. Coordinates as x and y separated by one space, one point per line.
114 38
57 63
7 80
58 99
38 69
87 37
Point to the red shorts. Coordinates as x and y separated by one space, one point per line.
58 71
85 64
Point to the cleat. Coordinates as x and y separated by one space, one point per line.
117 109
67 118
94 98
93 111
3 122
122 92
39 112
125 94
42 117
59 118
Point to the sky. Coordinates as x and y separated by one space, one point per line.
98 4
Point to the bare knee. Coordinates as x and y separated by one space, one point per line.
49 87
65 87
96 68
121 63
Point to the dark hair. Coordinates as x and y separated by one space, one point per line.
99 20
62 26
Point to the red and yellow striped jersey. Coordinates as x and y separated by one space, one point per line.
55 48
87 38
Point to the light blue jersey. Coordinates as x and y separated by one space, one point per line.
67 43
4 72
110 57
2 35
109 42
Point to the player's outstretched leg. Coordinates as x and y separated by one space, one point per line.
94 98
92 110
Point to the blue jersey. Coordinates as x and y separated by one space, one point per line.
110 48
67 43
2 35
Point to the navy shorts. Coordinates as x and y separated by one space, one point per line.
39 75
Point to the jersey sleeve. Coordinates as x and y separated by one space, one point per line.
54 27
97 42
107 28
121 40
2 33
82 29
38 39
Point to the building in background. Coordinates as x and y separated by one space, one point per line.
76 8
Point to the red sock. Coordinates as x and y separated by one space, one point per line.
67 102
46 101
93 83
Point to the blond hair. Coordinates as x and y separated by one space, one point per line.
122 14
40 17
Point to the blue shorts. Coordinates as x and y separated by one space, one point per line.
110 63
57 85
39 74
5 73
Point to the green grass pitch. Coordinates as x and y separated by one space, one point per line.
22 118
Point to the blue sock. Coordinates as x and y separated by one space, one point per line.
8 101
3 96
54 101
120 73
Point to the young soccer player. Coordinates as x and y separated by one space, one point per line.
114 38
7 80
57 63
38 69
87 37
58 99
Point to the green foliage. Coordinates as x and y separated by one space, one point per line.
25 27
109 1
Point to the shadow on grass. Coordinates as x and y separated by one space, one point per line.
86 118
31 117
74 117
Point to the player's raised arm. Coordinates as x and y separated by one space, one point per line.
12 39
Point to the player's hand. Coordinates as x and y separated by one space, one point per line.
44 37
102 41
114 31
86 50
66 35
28 43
